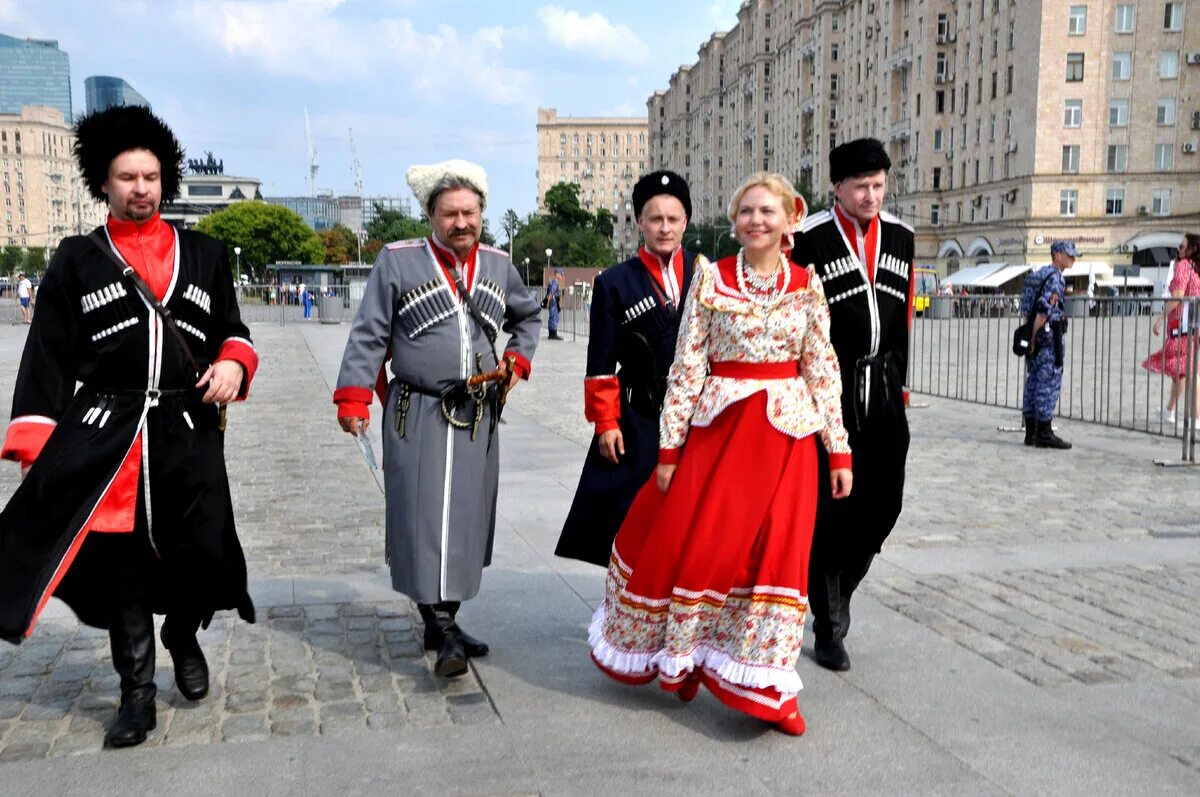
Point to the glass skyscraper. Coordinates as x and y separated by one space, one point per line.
104 92
34 72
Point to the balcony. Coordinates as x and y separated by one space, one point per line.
902 58
900 130
808 106
808 47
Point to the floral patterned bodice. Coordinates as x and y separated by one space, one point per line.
722 324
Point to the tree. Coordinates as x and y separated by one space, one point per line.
563 208
511 223
341 246
395 225
603 223
36 258
11 259
716 238
817 201
572 246
485 235
266 233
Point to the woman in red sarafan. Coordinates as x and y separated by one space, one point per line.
1171 359
708 578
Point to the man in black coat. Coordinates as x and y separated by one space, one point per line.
124 510
635 316
863 257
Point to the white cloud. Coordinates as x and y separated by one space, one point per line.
307 39
723 13
593 35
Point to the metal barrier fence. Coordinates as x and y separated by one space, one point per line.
961 348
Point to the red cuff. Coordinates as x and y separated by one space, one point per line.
242 352
521 364
26 437
607 426
601 398
837 461
669 456
353 402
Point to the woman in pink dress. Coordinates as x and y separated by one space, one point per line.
708 579
1171 358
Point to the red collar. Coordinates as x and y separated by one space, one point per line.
149 248
855 233
450 263
655 264
153 228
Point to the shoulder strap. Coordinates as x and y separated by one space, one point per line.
144 290
1036 296
476 313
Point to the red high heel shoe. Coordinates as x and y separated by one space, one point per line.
687 693
793 725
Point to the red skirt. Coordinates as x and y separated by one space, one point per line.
710 580
1171 359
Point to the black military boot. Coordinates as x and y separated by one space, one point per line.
1046 438
474 648
191 669
451 659
1030 429
131 634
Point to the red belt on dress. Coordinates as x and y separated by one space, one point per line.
734 369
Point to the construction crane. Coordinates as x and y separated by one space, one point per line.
312 157
356 173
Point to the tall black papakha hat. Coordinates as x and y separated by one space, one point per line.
661 182
854 158
103 135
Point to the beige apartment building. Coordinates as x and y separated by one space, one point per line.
42 195
604 156
1010 123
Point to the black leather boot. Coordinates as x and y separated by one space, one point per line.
131 634
474 648
191 669
1046 438
1030 429
451 659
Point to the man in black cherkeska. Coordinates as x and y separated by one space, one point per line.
863 257
635 319
124 510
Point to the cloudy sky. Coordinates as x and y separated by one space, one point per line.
418 81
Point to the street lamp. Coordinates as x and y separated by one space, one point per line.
526 272
717 245
548 253
237 253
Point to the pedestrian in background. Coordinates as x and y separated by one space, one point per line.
1171 359
552 302
25 297
1043 295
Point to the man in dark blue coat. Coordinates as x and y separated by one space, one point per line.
634 322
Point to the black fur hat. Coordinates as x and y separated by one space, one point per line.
854 158
661 182
103 135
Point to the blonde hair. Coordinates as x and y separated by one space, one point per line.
777 184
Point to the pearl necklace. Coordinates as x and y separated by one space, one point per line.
768 291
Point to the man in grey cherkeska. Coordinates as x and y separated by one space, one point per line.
435 306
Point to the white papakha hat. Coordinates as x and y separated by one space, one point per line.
426 180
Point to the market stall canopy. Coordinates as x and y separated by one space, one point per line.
1004 274
969 277
1083 268
1125 282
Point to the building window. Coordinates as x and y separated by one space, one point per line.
1173 16
1118 113
1125 15
1012 34
1077 24
937 178
995 78
937 140
1122 66
1168 64
837 21
1114 202
943 28
1165 115
935 214
1068 202
1074 67
833 52
1164 157
1161 204
1117 156
939 102
1070 159
1008 80
1073 113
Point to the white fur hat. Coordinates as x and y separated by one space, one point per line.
424 179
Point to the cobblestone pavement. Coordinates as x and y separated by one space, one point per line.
301 670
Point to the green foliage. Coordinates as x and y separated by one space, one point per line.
266 234
578 246
12 257
36 259
340 244
395 225
603 223
563 208
817 200
486 237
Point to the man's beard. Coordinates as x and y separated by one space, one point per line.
136 213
